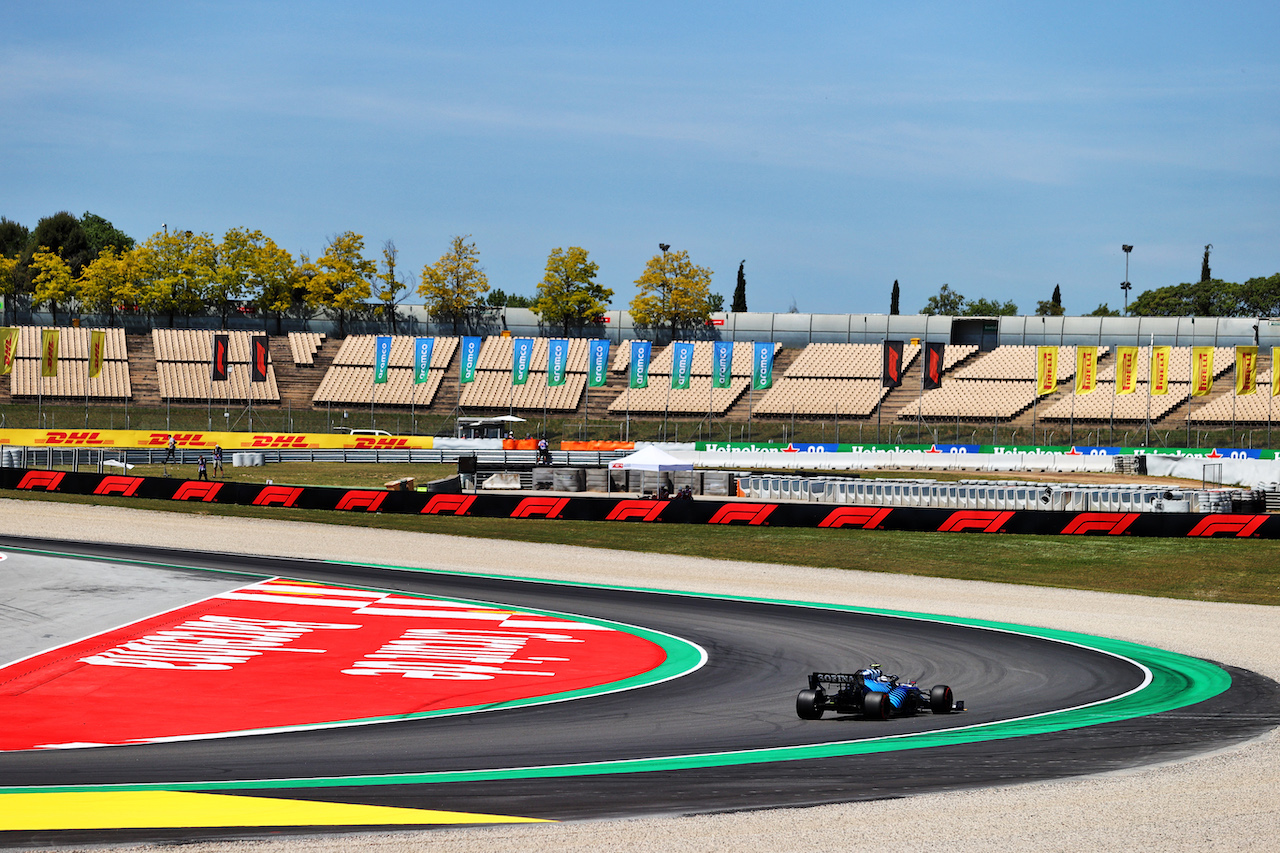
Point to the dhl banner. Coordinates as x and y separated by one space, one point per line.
1086 369
49 352
97 345
191 440
1246 371
1160 358
1046 370
8 346
1126 369
1201 371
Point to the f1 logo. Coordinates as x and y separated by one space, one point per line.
1222 524
1110 523
369 501
193 490
282 495
636 510
47 480
986 521
449 505
866 517
746 513
116 485
540 508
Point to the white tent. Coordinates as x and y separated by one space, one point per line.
650 459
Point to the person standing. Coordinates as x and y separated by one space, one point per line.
202 469
217 460
172 449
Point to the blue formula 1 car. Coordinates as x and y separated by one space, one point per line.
872 694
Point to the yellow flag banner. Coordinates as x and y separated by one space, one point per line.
1126 369
97 347
1086 369
1275 371
1046 370
49 352
1201 371
8 346
1246 371
1160 358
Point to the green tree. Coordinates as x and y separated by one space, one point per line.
673 292
110 281
1103 311
946 302
8 285
499 298
1052 307
14 237
1205 274
895 297
389 285
54 284
1212 298
102 234
62 235
341 280
568 295
739 304
177 268
990 308
454 286
1262 297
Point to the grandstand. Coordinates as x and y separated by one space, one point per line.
833 380
696 400
184 365
349 380
73 366
304 346
492 388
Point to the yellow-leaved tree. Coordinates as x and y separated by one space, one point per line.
177 268
673 292
53 283
455 285
568 295
342 278
109 282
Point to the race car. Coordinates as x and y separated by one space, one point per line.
871 693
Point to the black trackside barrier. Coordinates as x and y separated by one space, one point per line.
640 510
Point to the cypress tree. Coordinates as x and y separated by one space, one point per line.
1205 275
1057 295
740 291
893 298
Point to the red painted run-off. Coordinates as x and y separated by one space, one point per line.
284 653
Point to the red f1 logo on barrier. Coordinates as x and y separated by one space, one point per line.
635 510
117 485
47 480
282 495
865 517
1111 523
748 513
1214 525
369 501
449 505
984 520
540 508
197 490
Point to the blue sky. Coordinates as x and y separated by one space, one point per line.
999 148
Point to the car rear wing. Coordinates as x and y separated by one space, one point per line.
817 679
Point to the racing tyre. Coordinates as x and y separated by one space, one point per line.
809 704
875 706
940 699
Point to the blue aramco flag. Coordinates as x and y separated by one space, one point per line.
639 377
557 361
422 348
521 359
470 356
762 366
597 363
721 364
681 364
381 358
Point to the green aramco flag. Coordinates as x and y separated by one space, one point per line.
597 363
381 358
640 352
521 358
557 361
681 364
762 367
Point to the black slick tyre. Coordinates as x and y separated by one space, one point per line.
809 704
940 699
875 706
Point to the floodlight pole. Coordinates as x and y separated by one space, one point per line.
1125 285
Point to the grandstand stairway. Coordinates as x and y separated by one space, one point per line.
144 376
298 383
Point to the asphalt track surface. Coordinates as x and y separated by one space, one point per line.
759 654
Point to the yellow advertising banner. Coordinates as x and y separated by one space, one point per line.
230 441
97 348
1201 371
1275 371
1160 358
1126 369
49 352
8 346
1246 371
1086 369
1046 370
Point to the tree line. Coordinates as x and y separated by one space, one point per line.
85 265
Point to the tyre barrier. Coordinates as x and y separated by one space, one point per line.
765 514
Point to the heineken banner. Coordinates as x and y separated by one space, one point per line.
639 376
1086 369
557 361
597 363
762 366
97 347
891 376
681 364
1126 370
722 364
49 352
1201 371
218 370
1246 371
934 359
1160 360
467 362
8 346
422 350
1046 370
258 349
381 358
521 359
